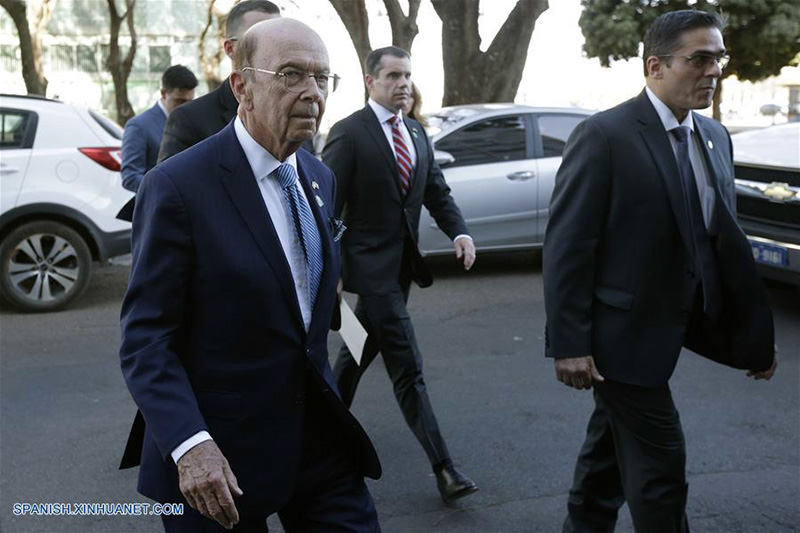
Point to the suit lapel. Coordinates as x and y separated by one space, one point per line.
379 137
241 186
421 148
655 137
306 177
714 162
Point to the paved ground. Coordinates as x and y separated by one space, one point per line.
509 424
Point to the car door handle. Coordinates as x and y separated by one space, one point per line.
521 176
5 169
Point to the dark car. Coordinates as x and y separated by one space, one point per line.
768 197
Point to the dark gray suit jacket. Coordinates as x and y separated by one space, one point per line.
619 275
199 119
381 222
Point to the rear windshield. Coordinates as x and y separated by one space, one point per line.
111 128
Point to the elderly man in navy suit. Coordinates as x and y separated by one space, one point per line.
142 137
225 322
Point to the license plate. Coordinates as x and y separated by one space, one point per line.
770 254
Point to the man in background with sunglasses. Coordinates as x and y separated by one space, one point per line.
642 256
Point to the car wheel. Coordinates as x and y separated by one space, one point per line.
45 265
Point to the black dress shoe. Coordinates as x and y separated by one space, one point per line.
453 484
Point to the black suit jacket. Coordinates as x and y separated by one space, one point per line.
619 276
199 119
381 222
213 336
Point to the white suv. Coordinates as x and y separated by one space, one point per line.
60 193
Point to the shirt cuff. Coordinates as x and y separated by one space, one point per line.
188 444
462 235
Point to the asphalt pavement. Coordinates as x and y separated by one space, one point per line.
65 414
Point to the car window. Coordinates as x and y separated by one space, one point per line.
489 141
111 128
555 130
14 125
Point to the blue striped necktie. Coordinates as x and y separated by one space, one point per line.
304 225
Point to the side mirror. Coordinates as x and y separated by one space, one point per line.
443 158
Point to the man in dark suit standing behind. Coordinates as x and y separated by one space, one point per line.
643 255
225 321
386 172
210 113
142 137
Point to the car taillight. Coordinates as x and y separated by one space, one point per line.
110 158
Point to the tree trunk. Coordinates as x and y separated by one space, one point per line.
715 105
120 68
30 46
354 16
472 76
210 64
404 28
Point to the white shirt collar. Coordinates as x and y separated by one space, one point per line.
665 113
161 105
261 161
382 113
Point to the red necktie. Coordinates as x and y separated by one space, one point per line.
403 155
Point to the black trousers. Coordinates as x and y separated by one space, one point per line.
635 452
391 333
330 495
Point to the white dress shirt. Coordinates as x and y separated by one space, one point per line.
263 164
161 106
704 188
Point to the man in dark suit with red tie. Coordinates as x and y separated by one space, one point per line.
643 255
385 169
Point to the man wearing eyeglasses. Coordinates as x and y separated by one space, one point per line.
385 169
212 112
642 256
225 321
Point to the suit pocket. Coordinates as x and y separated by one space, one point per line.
219 404
614 297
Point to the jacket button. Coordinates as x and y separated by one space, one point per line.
690 272
299 399
326 390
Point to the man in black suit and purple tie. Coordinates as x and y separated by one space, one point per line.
642 256
385 170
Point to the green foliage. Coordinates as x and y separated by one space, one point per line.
761 36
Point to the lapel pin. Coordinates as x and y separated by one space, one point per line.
414 132
319 200
315 186
710 145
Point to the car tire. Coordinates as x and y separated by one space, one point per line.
43 266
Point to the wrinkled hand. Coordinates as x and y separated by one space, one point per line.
207 482
765 374
465 251
578 372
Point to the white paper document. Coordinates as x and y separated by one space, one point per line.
352 332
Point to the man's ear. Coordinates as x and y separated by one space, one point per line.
239 88
163 93
369 80
655 67
229 46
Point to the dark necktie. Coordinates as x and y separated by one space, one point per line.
705 260
304 225
404 165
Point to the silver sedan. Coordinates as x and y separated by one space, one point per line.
500 161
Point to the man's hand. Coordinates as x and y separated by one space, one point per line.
207 482
339 287
765 374
465 251
578 372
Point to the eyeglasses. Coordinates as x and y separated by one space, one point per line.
703 60
296 81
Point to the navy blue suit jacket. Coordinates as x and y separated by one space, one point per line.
140 143
212 334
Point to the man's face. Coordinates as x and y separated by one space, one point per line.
278 116
681 85
392 87
248 19
176 97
